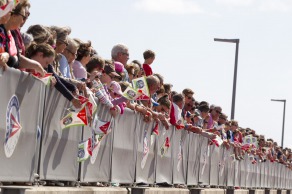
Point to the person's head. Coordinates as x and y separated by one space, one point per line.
222 119
160 77
108 74
96 63
139 71
40 33
42 53
131 72
204 109
178 99
164 104
27 39
120 53
188 94
149 56
6 8
216 112
153 84
115 90
62 37
71 50
234 125
167 89
84 53
18 16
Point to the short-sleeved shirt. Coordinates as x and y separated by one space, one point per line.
79 70
147 69
64 67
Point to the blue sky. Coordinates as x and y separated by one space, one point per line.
182 33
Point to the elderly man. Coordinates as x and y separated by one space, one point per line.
120 53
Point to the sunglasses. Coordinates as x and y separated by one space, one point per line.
75 54
189 97
217 111
61 41
127 54
23 16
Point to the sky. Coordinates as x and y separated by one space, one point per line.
182 32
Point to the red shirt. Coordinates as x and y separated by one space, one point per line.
147 69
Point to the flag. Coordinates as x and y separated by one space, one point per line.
5 9
175 117
74 119
46 79
84 150
93 103
165 146
130 93
217 141
154 132
140 85
99 126
95 145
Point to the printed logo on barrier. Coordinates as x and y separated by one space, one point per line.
13 126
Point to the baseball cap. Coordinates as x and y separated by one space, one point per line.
119 67
116 88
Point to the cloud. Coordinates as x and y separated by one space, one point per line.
275 5
238 3
169 6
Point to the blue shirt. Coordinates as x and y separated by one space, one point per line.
64 66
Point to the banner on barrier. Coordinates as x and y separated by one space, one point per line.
21 94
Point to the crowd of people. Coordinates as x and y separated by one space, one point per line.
77 68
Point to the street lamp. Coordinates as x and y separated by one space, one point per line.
284 100
235 71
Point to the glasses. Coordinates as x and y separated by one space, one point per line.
189 97
74 54
222 118
112 76
127 54
217 111
66 43
23 16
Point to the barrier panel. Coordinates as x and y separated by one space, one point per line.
224 155
248 173
124 147
193 159
204 172
146 152
98 167
164 163
180 153
243 171
33 142
58 157
237 173
215 162
22 101
230 170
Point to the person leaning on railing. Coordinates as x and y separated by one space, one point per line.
16 60
44 54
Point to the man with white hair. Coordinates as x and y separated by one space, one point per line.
120 53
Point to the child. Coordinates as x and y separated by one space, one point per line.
149 57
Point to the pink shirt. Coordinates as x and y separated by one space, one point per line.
79 71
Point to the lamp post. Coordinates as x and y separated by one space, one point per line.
236 41
283 125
